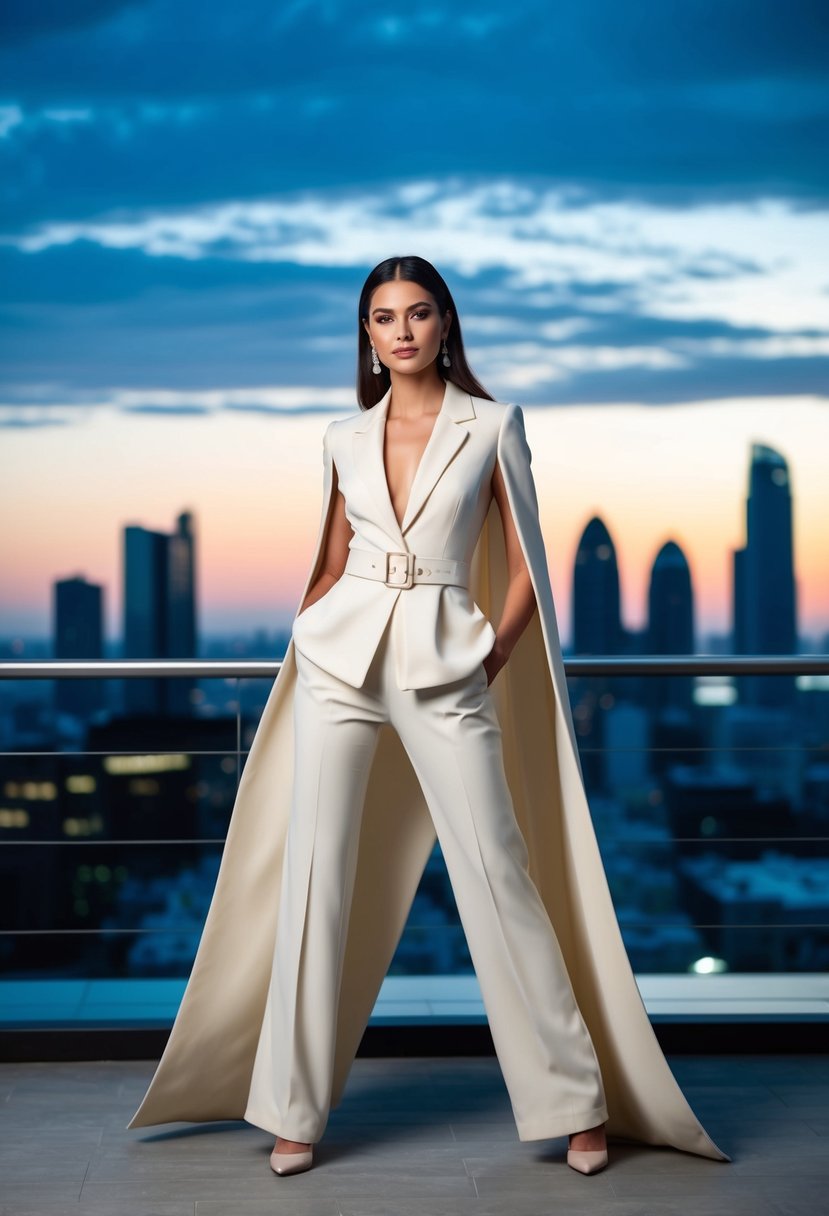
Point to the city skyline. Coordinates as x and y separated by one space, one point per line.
159 597
629 204
635 237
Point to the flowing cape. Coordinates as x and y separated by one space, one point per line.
205 1070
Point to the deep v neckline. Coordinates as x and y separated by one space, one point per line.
423 455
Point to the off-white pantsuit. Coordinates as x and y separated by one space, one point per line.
380 716
452 736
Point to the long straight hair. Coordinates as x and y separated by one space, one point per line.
370 388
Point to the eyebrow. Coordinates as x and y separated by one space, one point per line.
419 304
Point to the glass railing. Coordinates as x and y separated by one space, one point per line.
708 783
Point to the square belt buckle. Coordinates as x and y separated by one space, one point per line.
408 558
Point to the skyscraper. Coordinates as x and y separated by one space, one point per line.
159 612
597 625
181 609
78 633
597 630
670 623
764 583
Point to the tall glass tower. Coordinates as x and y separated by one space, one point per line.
670 622
181 609
78 633
597 623
765 613
160 612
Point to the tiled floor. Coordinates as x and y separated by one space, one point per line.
414 1137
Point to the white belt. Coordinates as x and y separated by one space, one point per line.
403 570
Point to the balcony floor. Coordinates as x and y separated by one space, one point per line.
425 1137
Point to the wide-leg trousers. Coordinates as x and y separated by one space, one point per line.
452 736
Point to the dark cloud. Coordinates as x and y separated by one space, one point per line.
669 101
122 319
81 315
30 20
707 379
13 422
116 110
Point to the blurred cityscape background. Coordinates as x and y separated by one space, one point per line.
630 206
707 793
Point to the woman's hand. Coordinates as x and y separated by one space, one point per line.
519 603
335 551
494 661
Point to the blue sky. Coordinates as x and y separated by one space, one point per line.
629 201
626 195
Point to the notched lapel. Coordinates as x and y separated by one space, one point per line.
367 454
448 436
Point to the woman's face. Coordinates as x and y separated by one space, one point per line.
403 318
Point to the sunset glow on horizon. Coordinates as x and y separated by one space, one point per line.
254 485
632 222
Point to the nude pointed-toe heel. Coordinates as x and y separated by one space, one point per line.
587 1160
291 1163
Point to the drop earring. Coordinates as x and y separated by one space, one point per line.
447 362
375 361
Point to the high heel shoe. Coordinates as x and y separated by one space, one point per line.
292 1163
587 1160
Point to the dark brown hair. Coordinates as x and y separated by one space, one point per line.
371 388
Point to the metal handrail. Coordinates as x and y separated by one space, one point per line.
640 665
582 666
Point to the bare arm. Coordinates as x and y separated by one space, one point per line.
519 602
335 553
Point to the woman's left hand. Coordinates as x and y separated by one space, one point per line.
494 661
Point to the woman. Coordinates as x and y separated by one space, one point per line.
387 720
